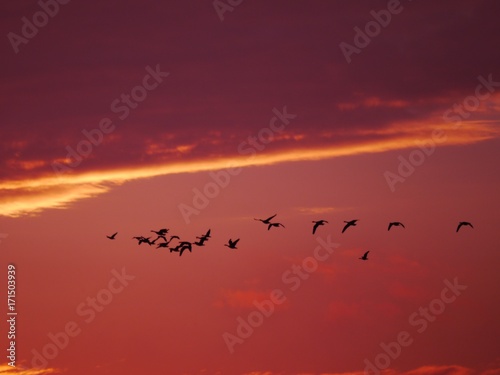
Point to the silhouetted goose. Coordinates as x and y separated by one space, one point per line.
112 237
351 223
365 256
201 241
205 236
396 224
170 240
232 244
145 240
266 221
462 223
277 225
185 245
161 232
163 244
141 239
317 224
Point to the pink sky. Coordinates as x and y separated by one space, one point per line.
261 113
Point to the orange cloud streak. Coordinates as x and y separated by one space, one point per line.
31 195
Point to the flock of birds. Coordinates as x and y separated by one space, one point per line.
181 246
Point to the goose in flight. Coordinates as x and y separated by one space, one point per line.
462 223
201 241
232 244
365 256
162 232
170 240
141 239
277 225
396 224
205 237
317 224
112 237
349 224
266 221
184 245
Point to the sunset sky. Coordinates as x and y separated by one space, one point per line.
129 116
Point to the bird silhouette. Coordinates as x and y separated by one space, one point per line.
201 241
141 239
205 236
396 224
462 223
317 224
170 239
162 244
161 232
277 225
112 237
349 224
184 245
266 221
365 256
232 244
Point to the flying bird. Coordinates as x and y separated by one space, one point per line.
142 240
396 224
462 223
201 241
184 245
170 240
232 244
206 236
317 224
112 237
266 221
349 224
277 225
162 232
365 256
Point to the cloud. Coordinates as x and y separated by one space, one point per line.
19 370
35 193
242 299
423 370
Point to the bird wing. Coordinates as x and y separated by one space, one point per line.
390 225
270 218
345 227
235 242
315 227
459 226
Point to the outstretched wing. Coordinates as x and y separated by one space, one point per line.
270 218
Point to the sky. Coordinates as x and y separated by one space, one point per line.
128 117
